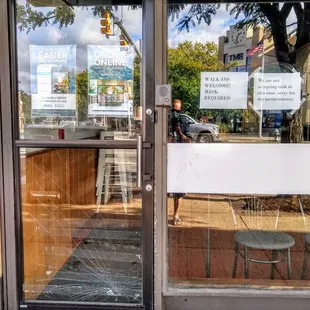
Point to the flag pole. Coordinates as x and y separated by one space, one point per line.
261 107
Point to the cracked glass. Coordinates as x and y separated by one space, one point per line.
81 218
79 78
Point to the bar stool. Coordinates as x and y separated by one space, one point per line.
263 240
305 264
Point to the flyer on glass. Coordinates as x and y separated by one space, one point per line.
110 80
277 91
223 90
53 83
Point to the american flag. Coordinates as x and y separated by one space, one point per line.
257 48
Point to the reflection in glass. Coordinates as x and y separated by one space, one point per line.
209 247
216 237
210 43
78 78
81 225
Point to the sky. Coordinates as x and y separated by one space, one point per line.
86 31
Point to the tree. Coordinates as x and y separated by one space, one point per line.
26 100
82 95
272 16
136 82
28 19
185 63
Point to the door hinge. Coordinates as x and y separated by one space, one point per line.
147 145
147 177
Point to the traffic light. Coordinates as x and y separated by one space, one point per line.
122 41
106 23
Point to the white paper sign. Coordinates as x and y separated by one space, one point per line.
223 90
277 91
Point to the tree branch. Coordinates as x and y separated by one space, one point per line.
285 10
292 24
269 10
298 10
278 29
299 15
304 27
43 19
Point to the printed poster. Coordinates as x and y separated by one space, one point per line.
223 90
53 69
110 80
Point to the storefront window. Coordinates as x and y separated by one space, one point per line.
238 209
78 69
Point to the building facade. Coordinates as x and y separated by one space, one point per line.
93 208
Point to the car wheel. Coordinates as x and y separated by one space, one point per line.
205 138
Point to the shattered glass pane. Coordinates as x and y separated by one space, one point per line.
81 226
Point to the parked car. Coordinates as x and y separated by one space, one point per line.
201 132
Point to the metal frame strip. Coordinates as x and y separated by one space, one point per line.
96 144
160 156
148 97
3 286
8 229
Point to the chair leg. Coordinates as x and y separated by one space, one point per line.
289 270
246 263
107 184
235 260
274 257
305 264
208 266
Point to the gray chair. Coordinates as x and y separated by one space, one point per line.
305 264
263 240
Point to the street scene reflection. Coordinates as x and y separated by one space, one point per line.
238 209
79 78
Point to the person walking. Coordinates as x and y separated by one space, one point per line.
178 132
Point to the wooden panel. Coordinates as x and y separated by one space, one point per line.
59 187
64 175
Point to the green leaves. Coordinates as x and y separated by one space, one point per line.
28 19
185 63
196 14
82 94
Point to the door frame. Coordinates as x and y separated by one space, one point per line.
12 225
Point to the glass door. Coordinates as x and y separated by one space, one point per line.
80 156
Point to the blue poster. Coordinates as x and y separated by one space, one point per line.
110 80
53 69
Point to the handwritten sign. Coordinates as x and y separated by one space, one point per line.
223 90
277 91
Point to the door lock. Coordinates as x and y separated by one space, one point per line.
148 187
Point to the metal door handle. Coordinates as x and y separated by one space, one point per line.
139 160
